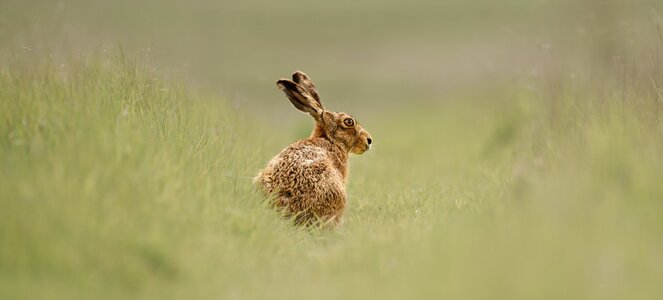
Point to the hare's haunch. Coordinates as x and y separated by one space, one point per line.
307 179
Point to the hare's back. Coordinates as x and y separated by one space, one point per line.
305 159
304 166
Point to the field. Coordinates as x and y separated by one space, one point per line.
518 149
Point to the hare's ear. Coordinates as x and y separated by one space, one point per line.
300 98
302 79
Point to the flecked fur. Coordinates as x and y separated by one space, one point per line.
307 179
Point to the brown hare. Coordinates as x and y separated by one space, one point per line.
307 179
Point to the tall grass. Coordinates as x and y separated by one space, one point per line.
111 177
115 184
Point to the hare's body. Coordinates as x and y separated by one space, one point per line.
307 179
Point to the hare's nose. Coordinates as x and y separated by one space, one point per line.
369 140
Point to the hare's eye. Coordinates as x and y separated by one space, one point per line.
349 122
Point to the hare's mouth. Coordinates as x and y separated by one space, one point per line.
360 148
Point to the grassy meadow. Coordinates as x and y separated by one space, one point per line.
518 149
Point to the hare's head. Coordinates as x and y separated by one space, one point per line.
339 128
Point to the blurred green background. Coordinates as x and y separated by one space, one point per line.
362 52
517 149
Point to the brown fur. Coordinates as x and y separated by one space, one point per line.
307 179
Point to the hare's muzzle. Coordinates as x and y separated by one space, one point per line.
364 142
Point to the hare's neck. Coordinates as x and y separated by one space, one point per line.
340 159
338 155
318 132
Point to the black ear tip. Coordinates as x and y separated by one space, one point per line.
285 84
298 76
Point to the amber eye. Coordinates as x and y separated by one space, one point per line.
349 122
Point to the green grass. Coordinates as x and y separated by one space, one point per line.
517 149
117 184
